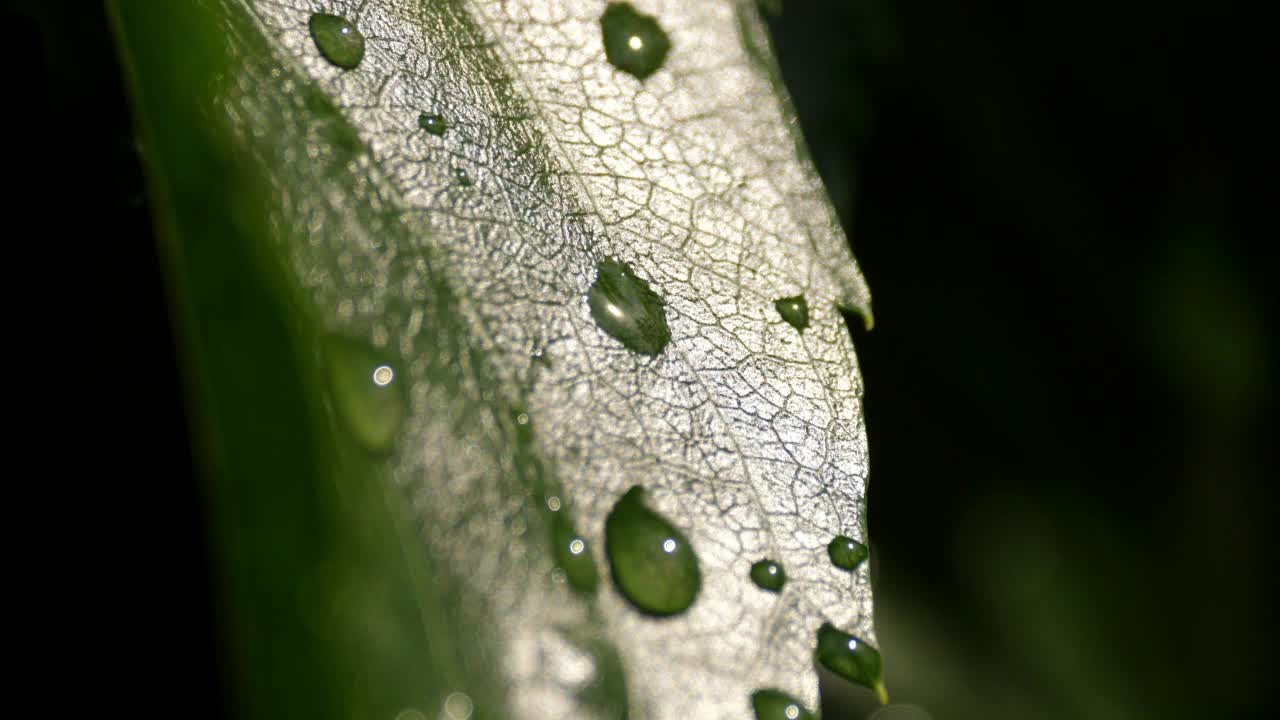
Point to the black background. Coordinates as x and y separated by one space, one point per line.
1064 212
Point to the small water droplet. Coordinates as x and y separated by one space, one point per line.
624 306
523 418
461 177
337 39
851 658
777 705
768 575
458 706
652 562
795 310
432 123
553 503
572 553
846 553
364 391
633 42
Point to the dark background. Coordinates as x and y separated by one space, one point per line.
1063 210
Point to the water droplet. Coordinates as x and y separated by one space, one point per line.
364 391
634 43
652 562
572 553
624 306
768 575
432 123
337 39
777 705
553 503
851 658
458 706
847 553
795 310
462 177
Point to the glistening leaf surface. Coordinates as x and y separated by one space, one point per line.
746 435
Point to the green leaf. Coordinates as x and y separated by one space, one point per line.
407 398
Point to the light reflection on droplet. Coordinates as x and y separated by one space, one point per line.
458 706
853 643
773 569
523 418
576 546
669 545
411 714
615 311
553 503
383 375
635 42
792 712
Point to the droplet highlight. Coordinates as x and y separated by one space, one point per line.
851 658
795 310
626 308
572 553
777 705
337 39
652 562
365 391
846 553
633 42
768 575
433 124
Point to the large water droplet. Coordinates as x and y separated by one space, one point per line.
433 123
795 310
847 553
572 553
366 392
777 705
652 562
851 658
634 43
337 39
768 575
624 306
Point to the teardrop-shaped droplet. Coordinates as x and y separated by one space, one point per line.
652 562
795 310
768 575
847 553
337 39
851 658
777 705
572 553
433 123
462 177
366 392
633 42
624 306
